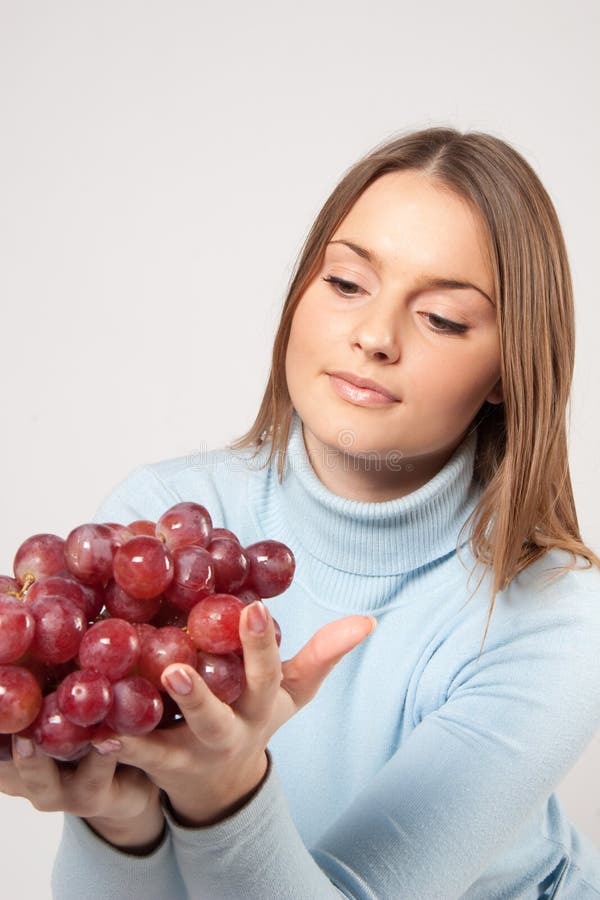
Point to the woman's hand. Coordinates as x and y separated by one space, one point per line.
121 804
210 764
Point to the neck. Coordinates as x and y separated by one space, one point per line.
360 477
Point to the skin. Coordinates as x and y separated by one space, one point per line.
379 329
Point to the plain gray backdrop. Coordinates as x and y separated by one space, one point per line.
160 166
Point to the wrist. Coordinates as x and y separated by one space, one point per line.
222 801
139 834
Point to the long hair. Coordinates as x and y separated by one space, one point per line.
526 505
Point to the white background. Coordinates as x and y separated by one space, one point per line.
160 166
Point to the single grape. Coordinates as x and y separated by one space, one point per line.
110 647
89 553
40 555
231 564
16 629
161 648
272 567
184 525
223 673
143 567
56 735
142 526
59 627
224 533
214 623
193 577
20 698
59 586
121 606
137 706
84 697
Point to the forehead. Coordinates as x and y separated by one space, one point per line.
415 225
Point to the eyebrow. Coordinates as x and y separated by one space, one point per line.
428 281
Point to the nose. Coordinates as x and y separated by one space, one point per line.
376 335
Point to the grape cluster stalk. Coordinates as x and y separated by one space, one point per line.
88 624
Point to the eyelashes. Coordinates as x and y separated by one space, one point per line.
437 324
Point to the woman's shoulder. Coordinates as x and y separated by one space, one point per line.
557 594
213 478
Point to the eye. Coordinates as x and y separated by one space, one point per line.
444 326
345 288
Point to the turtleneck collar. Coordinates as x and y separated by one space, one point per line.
377 538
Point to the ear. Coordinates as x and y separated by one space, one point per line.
495 395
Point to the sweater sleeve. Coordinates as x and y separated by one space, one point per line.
450 800
86 865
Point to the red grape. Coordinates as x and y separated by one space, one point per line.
89 553
59 586
110 647
143 567
193 578
161 648
247 596
224 533
59 627
185 524
5 747
137 706
122 606
20 698
213 624
142 526
56 735
272 566
223 673
84 697
40 555
231 564
16 628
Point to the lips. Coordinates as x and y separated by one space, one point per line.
367 383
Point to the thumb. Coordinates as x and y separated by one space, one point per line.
305 672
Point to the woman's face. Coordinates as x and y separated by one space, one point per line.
384 323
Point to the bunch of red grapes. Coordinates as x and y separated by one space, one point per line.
88 624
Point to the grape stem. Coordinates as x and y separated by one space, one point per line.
28 580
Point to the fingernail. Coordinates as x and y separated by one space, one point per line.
257 617
24 747
110 746
373 624
179 681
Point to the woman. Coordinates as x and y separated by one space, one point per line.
412 433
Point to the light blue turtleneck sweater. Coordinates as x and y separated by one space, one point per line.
419 770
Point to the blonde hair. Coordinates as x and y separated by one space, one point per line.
521 463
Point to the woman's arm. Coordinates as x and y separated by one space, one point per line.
450 801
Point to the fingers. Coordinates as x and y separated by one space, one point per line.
262 663
209 719
38 775
304 673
